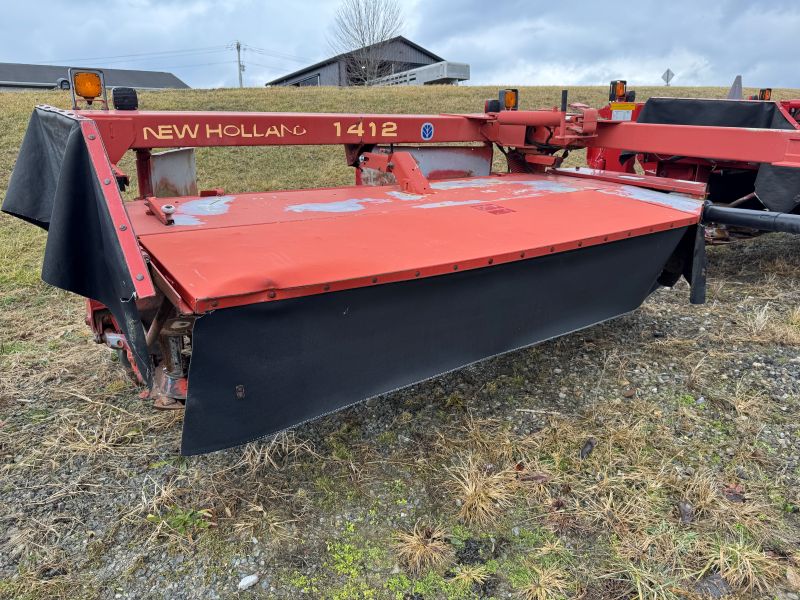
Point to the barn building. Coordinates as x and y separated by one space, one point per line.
21 76
402 62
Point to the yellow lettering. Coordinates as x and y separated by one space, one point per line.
356 129
179 132
389 129
165 132
185 131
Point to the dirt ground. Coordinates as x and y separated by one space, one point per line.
654 456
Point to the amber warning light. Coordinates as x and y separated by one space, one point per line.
87 84
617 90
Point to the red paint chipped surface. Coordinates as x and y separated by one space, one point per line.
255 247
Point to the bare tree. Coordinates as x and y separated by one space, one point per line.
360 30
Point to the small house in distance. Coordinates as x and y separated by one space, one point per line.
397 61
17 76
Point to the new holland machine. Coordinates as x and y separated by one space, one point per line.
259 311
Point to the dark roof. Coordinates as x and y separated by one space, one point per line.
332 59
19 75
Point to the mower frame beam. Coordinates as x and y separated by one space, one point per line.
525 130
780 147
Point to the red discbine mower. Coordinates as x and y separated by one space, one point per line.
263 310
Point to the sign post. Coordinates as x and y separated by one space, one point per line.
667 76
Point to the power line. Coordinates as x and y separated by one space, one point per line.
150 59
276 54
169 53
149 54
270 67
225 62
156 56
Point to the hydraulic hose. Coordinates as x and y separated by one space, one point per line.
755 219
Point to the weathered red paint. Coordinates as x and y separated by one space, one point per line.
696 165
696 189
316 241
125 130
202 254
609 158
779 147
122 225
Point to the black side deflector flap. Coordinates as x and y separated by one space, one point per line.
55 185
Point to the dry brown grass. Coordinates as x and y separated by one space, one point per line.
763 323
471 575
703 491
482 489
745 400
547 583
274 452
255 519
724 508
107 433
663 543
627 506
647 581
424 548
489 438
742 564
74 432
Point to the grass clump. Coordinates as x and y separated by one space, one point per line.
471 575
648 581
741 563
423 548
545 583
544 572
483 491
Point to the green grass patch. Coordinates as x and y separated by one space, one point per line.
183 521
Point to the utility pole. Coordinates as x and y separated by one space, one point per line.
239 61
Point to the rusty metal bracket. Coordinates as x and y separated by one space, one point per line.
162 212
404 168
114 340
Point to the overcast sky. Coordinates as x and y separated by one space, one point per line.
524 42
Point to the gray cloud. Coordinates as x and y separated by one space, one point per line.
592 42
506 42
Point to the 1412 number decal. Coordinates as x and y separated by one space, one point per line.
387 129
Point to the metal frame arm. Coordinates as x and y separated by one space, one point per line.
531 132
780 147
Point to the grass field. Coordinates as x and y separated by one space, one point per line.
656 456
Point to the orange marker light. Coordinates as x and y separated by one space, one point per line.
617 90
87 85
509 99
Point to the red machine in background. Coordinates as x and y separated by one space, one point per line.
261 310
732 183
